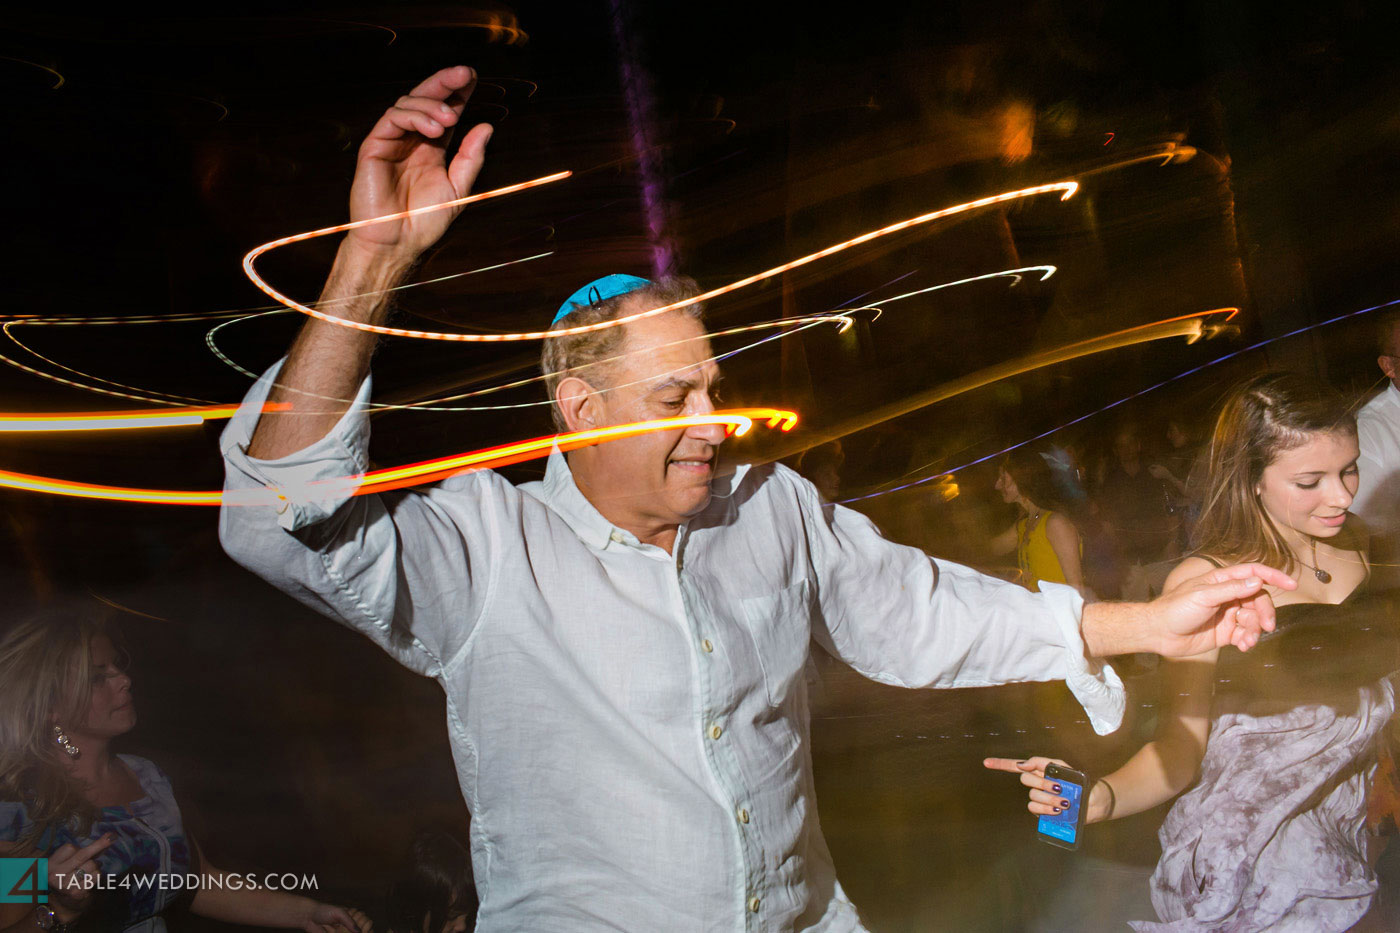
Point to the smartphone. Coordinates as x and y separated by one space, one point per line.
1063 829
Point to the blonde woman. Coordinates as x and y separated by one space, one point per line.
108 824
1280 743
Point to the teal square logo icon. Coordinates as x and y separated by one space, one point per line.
24 881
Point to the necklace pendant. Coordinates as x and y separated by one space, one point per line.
1323 576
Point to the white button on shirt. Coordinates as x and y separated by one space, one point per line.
581 688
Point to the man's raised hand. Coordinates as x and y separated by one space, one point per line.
403 164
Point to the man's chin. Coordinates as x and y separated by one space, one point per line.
691 502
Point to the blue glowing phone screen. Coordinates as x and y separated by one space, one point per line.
1064 825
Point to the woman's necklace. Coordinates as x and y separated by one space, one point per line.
1323 576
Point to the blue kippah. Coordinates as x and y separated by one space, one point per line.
598 290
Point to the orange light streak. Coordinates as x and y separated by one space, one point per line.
17 422
1190 326
737 422
1067 190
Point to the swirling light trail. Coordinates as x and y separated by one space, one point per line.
1122 401
136 393
1067 190
797 323
1190 326
737 422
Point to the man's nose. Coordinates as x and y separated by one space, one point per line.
713 434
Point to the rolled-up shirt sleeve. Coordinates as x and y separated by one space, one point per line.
409 570
902 618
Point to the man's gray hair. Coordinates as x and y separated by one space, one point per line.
561 355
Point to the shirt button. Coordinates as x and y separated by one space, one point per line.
708 645
753 905
743 816
715 731
616 536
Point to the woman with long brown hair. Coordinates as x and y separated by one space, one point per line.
1046 542
109 825
1280 743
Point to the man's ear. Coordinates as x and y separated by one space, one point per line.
579 404
1388 366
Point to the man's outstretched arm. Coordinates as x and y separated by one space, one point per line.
402 165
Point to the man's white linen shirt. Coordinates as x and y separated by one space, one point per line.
1378 431
630 726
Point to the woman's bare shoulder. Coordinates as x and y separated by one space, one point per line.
1190 567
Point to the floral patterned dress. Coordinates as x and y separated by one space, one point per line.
144 870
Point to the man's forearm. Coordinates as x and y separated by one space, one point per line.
327 362
1116 628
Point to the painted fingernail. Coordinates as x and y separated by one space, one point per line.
1065 804
1056 809
1055 788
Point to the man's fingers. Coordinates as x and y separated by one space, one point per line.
1228 591
411 121
446 82
1265 574
466 164
1263 605
436 109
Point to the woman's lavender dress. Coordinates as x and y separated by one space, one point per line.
1273 836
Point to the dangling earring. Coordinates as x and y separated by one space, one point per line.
59 736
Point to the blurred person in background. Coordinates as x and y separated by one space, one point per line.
102 817
434 891
1136 510
1175 465
1378 430
1046 542
1280 747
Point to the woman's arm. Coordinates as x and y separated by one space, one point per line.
1003 543
1064 539
223 897
1162 768
1167 765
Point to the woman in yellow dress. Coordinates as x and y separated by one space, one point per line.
1046 542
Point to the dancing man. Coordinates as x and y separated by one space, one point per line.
622 644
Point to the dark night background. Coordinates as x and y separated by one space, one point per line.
177 143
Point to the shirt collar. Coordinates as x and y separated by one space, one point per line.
562 494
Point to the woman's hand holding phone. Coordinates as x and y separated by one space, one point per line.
1046 795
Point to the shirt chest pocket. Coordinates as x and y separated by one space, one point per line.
780 625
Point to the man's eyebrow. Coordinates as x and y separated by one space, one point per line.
682 382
